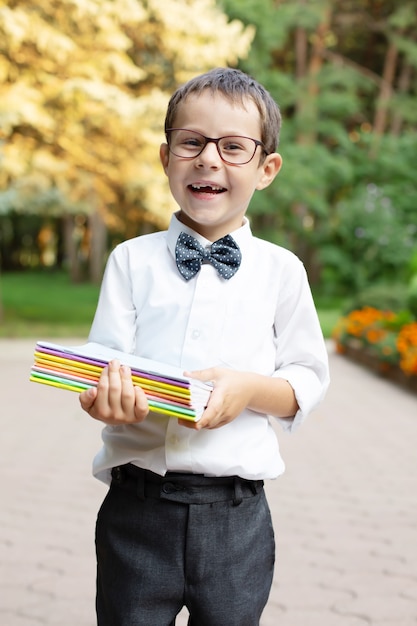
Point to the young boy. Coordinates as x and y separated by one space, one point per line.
185 521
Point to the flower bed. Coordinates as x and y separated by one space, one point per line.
383 341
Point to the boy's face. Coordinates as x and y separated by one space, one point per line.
213 196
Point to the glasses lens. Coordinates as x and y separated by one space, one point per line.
237 150
186 143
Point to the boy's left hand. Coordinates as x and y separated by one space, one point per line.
230 395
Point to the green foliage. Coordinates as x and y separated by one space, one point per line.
403 16
384 297
386 348
346 198
413 264
373 235
412 296
372 232
270 32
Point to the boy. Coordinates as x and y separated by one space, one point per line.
185 521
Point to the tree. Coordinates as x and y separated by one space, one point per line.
344 75
83 95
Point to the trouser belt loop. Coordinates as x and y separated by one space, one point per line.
255 486
238 493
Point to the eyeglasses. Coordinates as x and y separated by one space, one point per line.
234 150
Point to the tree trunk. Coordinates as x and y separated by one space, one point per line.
307 102
404 83
98 238
307 117
301 50
71 248
381 113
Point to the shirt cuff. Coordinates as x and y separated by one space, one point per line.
309 389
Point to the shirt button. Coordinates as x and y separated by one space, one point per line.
195 334
174 440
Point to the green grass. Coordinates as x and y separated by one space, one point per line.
328 319
329 310
46 304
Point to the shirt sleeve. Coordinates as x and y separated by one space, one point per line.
301 354
114 321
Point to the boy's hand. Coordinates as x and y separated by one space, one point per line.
230 395
115 400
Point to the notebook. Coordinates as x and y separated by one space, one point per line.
77 368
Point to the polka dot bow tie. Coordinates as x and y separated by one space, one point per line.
224 254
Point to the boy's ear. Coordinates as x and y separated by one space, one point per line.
270 168
164 155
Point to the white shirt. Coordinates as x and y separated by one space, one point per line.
262 320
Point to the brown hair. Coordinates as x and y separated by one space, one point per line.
236 86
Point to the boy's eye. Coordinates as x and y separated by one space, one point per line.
193 142
236 144
232 145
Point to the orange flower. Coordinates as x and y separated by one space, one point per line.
407 347
388 335
366 323
374 335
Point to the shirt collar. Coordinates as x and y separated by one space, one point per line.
242 235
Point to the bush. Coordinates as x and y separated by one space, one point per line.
412 296
385 297
390 337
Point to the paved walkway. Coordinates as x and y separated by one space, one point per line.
345 513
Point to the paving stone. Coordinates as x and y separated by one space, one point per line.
345 512
377 608
310 617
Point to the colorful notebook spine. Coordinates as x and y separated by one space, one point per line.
76 369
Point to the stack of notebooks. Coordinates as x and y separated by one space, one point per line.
78 368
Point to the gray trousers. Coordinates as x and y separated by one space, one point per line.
183 540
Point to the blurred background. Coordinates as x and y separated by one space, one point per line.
83 92
84 86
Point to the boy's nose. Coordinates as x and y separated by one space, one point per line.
209 155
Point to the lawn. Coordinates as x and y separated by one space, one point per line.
46 304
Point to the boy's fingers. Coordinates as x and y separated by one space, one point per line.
204 375
114 382
133 397
113 370
141 404
127 394
87 398
103 382
115 399
213 415
125 373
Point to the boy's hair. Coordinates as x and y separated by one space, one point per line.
236 86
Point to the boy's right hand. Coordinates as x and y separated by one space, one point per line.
115 400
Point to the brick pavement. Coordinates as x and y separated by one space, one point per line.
345 512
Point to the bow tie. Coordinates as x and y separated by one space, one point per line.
224 254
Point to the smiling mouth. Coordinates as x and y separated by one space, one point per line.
206 189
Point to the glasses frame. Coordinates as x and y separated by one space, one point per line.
215 141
